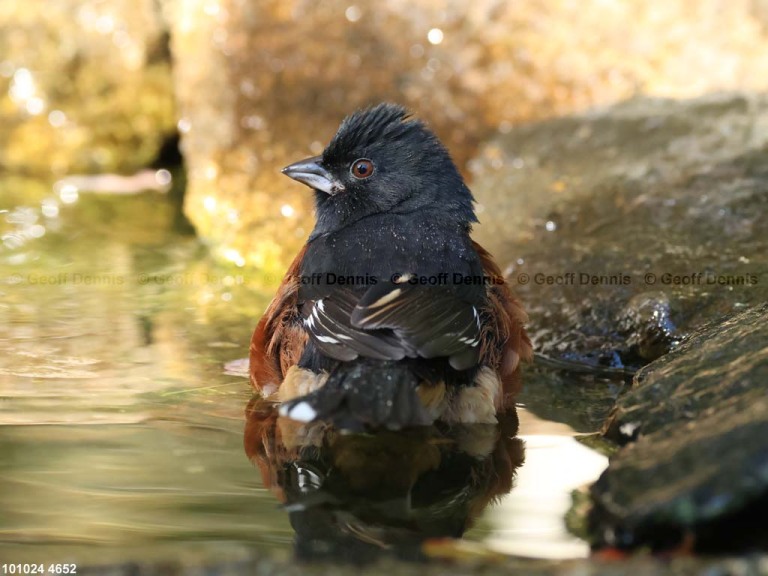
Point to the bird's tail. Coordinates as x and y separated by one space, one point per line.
363 394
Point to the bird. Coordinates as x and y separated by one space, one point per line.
390 316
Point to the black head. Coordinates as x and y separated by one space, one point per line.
382 161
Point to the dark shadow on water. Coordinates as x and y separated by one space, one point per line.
169 157
353 498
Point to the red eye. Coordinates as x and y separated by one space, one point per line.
362 168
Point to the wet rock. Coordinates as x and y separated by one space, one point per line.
262 84
85 86
627 228
647 322
699 464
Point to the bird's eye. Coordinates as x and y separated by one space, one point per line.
362 168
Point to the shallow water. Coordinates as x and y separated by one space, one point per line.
121 433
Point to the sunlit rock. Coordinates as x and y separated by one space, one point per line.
84 85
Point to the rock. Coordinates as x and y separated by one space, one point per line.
262 84
85 86
633 225
699 464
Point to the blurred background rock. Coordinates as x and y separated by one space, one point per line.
90 85
84 86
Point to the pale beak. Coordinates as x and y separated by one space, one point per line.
312 173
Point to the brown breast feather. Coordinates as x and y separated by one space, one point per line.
279 340
503 341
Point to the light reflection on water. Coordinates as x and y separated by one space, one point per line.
121 436
529 521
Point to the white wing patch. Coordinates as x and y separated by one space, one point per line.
327 339
313 322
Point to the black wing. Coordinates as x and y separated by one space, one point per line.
327 320
394 321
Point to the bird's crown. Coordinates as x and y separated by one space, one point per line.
384 122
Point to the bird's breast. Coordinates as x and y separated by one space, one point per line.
384 249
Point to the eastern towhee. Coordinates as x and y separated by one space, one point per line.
390 315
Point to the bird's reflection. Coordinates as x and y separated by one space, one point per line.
353 497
